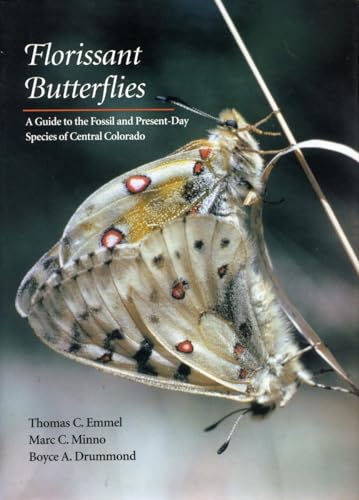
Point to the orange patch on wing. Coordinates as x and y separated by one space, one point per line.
155 208
87 226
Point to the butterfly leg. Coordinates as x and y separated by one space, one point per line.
264 151
301 352
311 382
322 371
255 126
266 118
259 131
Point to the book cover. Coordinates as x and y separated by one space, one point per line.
79 81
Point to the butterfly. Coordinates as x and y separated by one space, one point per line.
156 278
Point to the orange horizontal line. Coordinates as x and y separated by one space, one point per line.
92 110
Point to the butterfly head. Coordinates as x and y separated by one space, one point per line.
232 119
243 161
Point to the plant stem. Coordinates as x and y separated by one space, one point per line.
291 139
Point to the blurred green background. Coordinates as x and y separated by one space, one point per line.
307 52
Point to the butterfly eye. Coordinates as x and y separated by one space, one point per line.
231 124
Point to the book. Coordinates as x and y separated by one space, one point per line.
79 83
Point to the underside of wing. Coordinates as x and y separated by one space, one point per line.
155 311
131 206
192 273
35 278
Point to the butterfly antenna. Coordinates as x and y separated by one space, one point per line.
224 446
181 104
213 426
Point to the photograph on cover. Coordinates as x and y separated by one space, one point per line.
128 246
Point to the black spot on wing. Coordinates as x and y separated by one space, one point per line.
84 315
30 286
116 335
158 261
198 245
58 272
246 329
49 262
143 355
78 333
182 373
74 347
66 240
225 242
192 189
110 337
144 352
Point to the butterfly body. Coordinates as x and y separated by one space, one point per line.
156 279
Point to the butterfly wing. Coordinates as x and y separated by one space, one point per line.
35 279
169 311
204 260
130 206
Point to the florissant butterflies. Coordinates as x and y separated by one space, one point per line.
156 279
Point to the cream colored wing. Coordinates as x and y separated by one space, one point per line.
35 278
172 311
194 298
132 205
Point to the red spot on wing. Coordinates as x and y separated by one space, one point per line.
194 210
137 183
186 347
205 152
243 373
198 168
105 358
222 271
111 238
238 349
179 289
